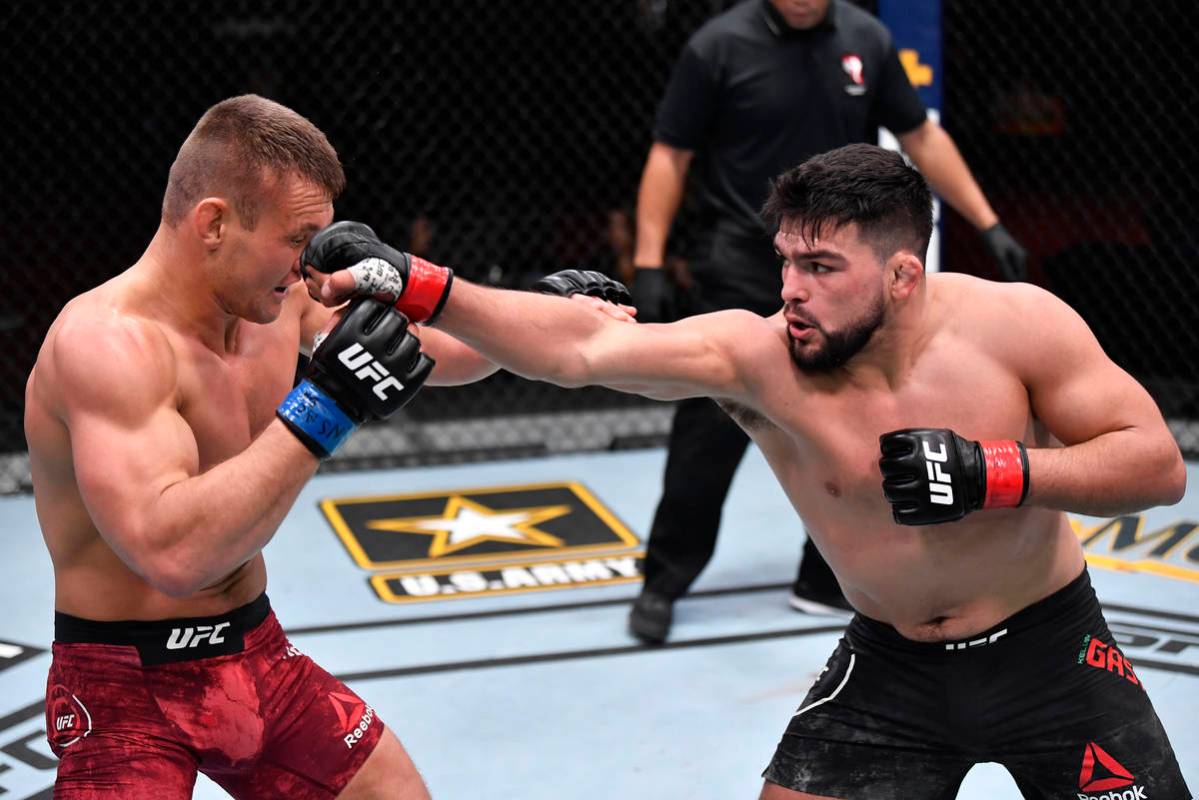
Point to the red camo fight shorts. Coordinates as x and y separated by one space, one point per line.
135 709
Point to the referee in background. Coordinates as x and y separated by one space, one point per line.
757 90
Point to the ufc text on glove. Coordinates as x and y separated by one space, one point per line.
932 475
368 367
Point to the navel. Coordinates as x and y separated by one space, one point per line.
832 489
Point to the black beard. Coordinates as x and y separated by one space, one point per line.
838 347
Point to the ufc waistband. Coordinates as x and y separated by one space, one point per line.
167 641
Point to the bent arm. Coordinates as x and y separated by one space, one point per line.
136 463
934 153
1119 456
571 344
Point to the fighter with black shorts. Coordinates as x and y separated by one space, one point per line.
1046 693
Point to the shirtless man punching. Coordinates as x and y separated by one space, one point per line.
931 431
165 450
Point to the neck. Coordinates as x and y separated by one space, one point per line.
174 281
888 357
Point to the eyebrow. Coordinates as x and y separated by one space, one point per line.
813 255
307 227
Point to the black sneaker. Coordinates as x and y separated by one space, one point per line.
809 599
650 618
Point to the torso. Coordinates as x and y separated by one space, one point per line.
935 582
225 400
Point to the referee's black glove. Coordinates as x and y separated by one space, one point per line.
651 294
1007 252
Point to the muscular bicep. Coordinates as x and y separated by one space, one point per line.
1075 389
128 440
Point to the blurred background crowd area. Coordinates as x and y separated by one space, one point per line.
507 140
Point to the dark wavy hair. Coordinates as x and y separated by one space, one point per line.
859 183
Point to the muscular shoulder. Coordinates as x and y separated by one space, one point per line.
1016 322
97 357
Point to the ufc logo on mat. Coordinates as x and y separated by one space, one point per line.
358 360
940 487
192 637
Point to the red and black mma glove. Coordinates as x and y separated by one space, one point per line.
418 288
932 475
368 367
569 282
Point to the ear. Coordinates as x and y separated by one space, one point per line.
906 271
210 220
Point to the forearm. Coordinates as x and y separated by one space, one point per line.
1113 474
658 200
204 527
938 159
536 336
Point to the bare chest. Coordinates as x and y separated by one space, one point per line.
826 443
229 400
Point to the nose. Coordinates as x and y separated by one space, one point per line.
794 288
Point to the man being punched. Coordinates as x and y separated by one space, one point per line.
166 449
931 431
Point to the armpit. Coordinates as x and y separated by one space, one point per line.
747 418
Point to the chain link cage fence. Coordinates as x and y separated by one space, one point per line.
507 140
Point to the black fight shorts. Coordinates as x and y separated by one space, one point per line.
1046 693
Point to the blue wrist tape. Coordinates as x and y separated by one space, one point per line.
311 412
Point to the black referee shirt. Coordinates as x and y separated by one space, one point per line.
754 97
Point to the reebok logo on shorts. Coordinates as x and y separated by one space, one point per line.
1101 772
353 715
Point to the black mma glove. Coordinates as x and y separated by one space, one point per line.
418 288
569 282
650 294
932 475
1007 252
368 367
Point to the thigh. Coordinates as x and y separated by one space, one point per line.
111 739
105 765
1105 742
319 734
868 728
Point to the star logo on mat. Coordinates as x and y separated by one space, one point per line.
1110 774
465 522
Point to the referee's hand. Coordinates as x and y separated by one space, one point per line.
1007 252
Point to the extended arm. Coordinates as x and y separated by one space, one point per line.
570 344
457 363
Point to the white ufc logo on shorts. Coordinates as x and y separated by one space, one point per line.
940 484
192 637
359 360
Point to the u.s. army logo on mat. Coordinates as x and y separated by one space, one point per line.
487 525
